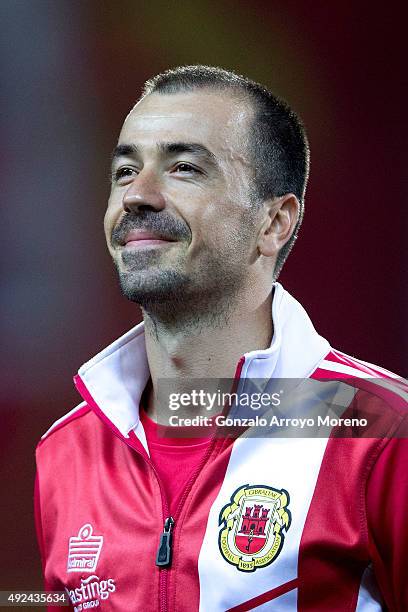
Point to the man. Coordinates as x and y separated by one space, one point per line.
208 182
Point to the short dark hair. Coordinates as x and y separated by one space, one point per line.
278 141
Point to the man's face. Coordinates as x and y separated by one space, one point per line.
179 223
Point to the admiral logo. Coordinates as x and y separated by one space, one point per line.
84 550
253 526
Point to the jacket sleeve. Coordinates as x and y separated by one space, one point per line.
387 517
41 541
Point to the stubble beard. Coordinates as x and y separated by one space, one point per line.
147 282
172 296
175 300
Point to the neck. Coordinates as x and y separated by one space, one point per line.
210 349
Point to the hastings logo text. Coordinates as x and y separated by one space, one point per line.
91 593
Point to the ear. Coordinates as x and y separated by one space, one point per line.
281 215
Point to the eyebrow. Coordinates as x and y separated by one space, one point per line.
123 150
126 150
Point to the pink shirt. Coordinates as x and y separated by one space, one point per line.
175 459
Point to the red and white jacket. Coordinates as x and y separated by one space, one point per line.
333 530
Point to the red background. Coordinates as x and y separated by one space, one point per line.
71 72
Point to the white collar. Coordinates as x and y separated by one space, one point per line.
116 377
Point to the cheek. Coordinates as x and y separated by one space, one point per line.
217 228
111 218
107 225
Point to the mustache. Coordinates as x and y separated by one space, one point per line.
160 223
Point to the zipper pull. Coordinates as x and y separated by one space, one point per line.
163 558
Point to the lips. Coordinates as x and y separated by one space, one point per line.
144 238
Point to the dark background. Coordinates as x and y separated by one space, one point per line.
70 73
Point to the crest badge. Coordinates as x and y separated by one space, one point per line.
253 526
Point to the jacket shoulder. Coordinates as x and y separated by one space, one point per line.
337 361
74 414
375 381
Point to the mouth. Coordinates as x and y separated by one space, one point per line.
142 239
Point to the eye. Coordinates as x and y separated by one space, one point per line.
123 173
186 167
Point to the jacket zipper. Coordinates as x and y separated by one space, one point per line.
163 558
170 521
165 549
164 552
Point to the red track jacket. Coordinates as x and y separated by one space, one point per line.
297 523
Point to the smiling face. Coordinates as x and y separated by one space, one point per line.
180 218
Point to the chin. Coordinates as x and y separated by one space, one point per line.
154 287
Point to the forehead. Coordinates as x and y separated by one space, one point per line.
216 119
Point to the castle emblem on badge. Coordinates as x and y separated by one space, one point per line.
253 526
84 550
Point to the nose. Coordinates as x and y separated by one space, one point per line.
143 193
